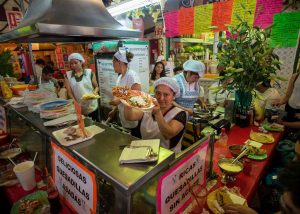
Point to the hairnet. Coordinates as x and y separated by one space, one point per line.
194 66
170 82
76 56
121 56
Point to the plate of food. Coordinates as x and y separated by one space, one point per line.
261 137
73 134
143 101
36 202
217 199
273 127
54 105
10 153
90 96
256 153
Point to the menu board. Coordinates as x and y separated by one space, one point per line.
140 61
107 79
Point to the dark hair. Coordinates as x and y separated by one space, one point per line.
129 56
50 63
162 74
40 62
60 83
48 70
290 179
178 68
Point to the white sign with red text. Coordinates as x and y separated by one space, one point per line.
173 187
74 182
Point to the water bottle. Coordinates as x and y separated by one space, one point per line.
221 143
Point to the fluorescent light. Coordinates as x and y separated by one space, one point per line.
129 5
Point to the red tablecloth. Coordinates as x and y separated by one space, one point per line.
247 184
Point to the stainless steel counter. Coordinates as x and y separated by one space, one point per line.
102 154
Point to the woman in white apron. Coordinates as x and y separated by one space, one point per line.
127 78
46 80
80 81
190 91
166 122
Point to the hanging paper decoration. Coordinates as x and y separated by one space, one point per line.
221 15
171 24
245 9
265 10
203 18
285 31
186 23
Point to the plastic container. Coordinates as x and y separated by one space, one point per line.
18 89
26 174
221 143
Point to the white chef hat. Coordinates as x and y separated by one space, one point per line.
194 66
76 56
170 82
121 56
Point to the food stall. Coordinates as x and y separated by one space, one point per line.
116 186
90 177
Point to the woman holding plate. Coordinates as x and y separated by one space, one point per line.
79 82
165 122
128 78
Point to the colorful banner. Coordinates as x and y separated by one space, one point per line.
285 31
171 24
203 18
75 183
245 9
221 15
265 10
173 190
186 21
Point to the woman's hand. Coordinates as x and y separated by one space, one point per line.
156 107
279 102
112 113
115 102
238 209
203 105
95 91
190 111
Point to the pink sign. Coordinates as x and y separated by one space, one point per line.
13 18
265 10
173 193
171 23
